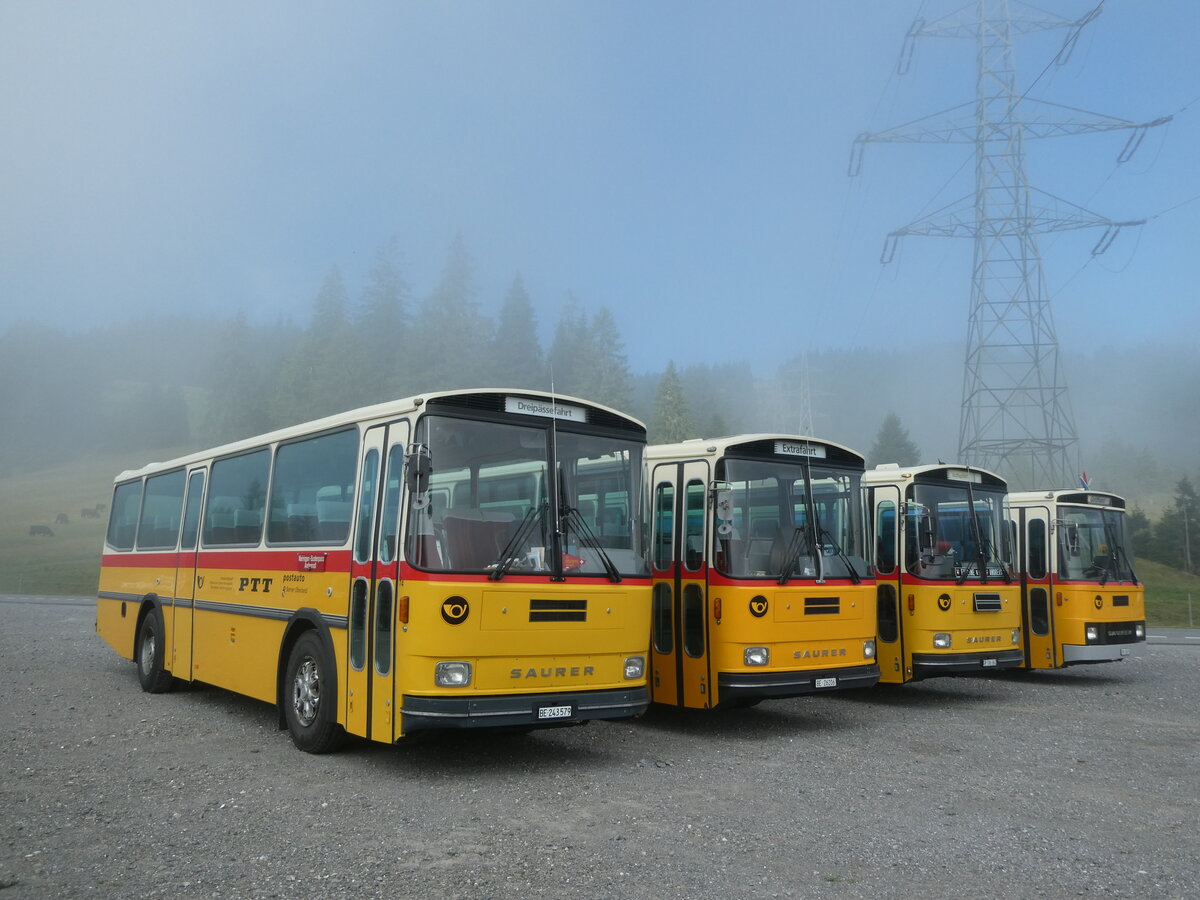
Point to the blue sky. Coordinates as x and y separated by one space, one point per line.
683 163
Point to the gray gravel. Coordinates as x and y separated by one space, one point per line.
1076 783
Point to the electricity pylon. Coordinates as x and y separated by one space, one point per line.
1015 417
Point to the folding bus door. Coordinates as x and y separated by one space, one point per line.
185 579
889 568
1037 604
680 658
370 676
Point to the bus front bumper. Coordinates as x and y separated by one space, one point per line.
741 686
1094 653
929 665
521 710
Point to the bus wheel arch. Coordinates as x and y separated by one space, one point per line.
149 648
307 692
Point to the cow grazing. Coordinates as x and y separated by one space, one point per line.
43 530
89 512
61 519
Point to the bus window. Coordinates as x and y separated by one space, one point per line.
887 613
191 514
1036 552
366 508
304 471
663 629
693 620
391 506
162 504
693 539
358 624
236 498
122 524
885 538
664 533
383 628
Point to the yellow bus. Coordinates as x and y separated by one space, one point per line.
948 598
1080 598
760 585
453 560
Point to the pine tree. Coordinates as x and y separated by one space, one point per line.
892 444
451 338
381 329
672 419
1177 534
516 351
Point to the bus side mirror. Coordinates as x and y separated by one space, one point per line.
724 511
417 469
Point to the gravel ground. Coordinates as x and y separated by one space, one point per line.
1064 784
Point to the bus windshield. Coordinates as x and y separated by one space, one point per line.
1092 545
787 527
492 505
944 540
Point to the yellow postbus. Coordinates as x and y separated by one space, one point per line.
948 598
453 560
1080 598
761 588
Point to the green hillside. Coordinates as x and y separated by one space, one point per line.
69 562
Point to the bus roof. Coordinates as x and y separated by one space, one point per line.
379 411
891 473
1067 495
752 444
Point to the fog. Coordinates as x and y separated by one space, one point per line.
680 164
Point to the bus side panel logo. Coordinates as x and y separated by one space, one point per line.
455 610
758 606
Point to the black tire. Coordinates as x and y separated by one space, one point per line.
309 704
148 653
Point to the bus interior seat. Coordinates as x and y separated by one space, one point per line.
333 520
247 526
475 538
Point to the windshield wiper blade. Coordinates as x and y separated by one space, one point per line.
792 554
841 554
509 556
589 538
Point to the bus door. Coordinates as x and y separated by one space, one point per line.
184 608
1037 611
374 571
680 647
889 567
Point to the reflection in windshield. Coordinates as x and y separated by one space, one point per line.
783 530
1093 546
492 505
944 540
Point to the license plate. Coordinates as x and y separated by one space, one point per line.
826 682
989 663
554 712
1124 651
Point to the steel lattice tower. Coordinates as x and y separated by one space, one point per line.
1016 418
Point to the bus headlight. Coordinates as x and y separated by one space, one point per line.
1016 635
942 640
1139 631
452 674
635 667
757 656
869 649
1092 633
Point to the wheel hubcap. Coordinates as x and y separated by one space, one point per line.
306 692
148 652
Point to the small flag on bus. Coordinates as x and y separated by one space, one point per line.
1083 480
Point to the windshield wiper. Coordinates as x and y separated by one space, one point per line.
509 556
588 537
792 554
841 554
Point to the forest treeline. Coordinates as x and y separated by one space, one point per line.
177 383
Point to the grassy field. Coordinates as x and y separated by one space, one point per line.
69 562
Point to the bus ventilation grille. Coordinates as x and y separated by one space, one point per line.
988 603
822 606
557 610
1121 600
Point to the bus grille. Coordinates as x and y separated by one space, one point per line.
822 606
988 603
557 610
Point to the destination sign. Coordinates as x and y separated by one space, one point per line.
797 448
526 406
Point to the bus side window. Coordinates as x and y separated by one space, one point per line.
885 537
162 506
122 523
693 549
664 532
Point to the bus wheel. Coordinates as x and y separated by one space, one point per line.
309 708
154 678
